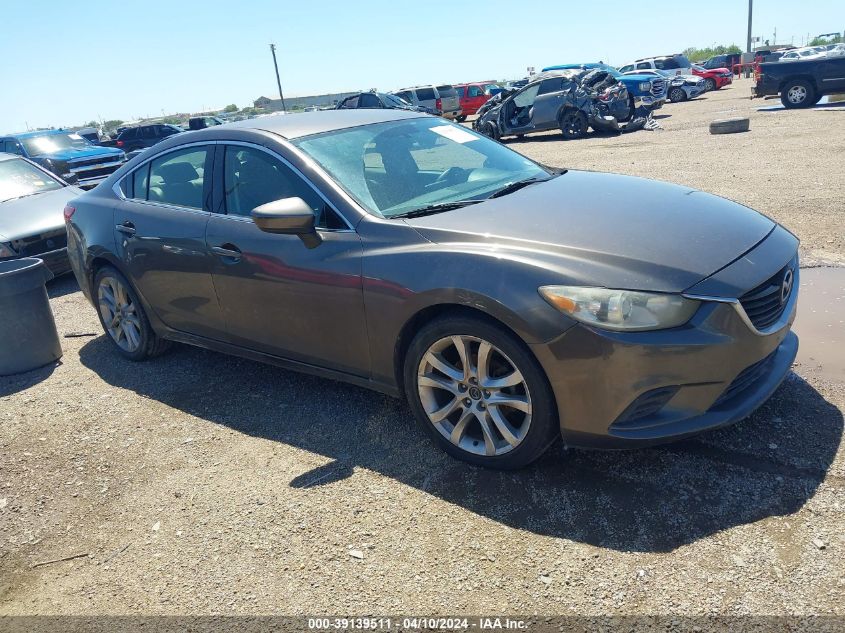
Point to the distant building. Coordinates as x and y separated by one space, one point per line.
300 103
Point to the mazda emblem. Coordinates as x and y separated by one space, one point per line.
786 286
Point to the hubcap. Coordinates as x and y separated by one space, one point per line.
797 94
119 315
474 395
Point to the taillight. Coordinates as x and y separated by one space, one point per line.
119 143
438 105
69 211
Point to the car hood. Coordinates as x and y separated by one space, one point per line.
32 215
74 153
607 230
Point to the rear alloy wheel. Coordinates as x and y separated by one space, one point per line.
573 124
710 84
123 318
480 394
798 94
676 95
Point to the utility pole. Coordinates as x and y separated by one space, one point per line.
279 81
748 39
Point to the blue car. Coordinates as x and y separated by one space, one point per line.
643 89
66 154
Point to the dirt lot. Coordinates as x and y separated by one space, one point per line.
200 483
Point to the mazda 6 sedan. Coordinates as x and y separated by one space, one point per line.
508 302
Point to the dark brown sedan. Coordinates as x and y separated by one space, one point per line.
508 302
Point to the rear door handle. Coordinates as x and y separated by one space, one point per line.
127 228
222 251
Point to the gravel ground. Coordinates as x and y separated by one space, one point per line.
200 483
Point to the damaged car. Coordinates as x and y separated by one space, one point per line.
681 87
569 100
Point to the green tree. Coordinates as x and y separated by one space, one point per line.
822 41
701 54
230 108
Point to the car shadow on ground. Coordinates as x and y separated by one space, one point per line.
651 500
63 285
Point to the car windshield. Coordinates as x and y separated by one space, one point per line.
397 167
37 145
18 178
397 101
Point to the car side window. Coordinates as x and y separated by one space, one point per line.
627 68
550 85
253 177
177 178
140 182
643 66
352 102
475 91
368 101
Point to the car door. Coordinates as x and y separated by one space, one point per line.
160 238
832 75
285 295
546 109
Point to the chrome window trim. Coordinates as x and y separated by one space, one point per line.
289 165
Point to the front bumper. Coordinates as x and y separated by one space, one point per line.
655 103
714 371
56 261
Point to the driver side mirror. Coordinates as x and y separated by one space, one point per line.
289 216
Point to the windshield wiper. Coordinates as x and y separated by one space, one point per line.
435 208
519 184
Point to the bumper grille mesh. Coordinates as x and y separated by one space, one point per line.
747 377
765 304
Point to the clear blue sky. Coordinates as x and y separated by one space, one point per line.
68 62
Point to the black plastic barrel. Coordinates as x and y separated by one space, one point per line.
28 336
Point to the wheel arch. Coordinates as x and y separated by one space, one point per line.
808 78
101 260
431 313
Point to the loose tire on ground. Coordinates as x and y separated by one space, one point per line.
149 344
542 429
729 126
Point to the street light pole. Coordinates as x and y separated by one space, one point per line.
279 81
748 40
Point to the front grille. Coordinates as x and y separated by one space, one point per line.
38 244
658 88
765 304
644 406
747 377
96 172
84 162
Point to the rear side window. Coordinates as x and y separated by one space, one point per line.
140 182
352 102
425 94
406 95
369 101
667 63
462 91
643 66
550 85
177 178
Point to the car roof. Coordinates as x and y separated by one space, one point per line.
7 156
36 133
291 126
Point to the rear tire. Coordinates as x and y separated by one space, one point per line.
457 406
123 318
573 124
798 93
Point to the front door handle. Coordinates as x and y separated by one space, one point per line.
127 228
232 253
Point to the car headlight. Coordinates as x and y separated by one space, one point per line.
626 310
646 85
6 251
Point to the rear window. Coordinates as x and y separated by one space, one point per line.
666 63
445 90
128 134
425 94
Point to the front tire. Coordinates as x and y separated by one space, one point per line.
798 93
677 95
573 125
123 318
479 393
710 84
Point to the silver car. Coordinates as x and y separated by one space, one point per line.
31 219
442 100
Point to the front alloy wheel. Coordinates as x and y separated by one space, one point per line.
474 395
478 391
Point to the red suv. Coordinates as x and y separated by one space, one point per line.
473 96
714 78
